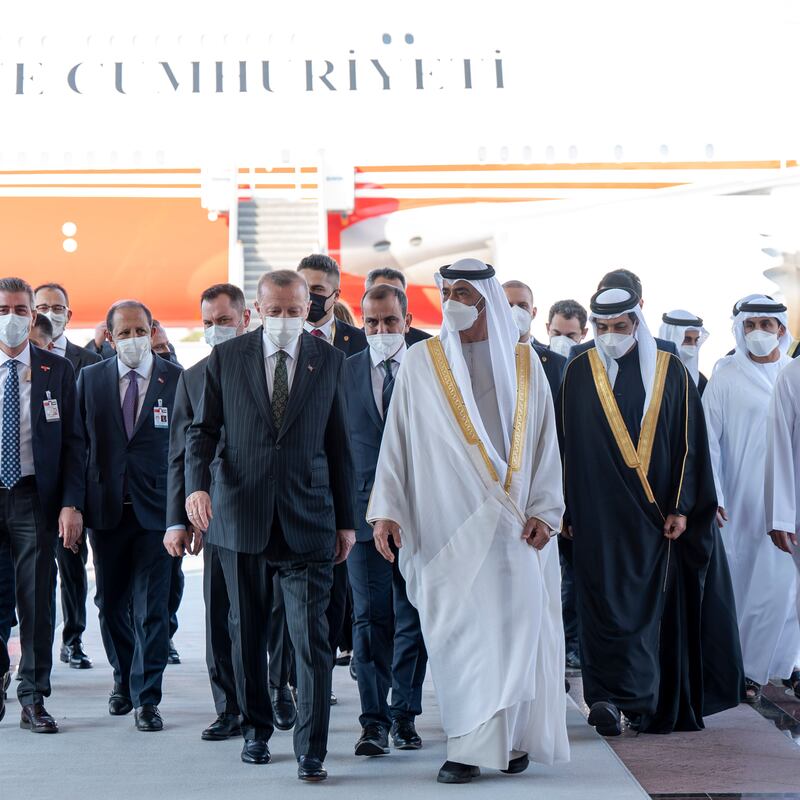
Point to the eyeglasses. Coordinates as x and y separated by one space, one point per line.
43 308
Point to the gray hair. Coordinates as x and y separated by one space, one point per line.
281 278
16 286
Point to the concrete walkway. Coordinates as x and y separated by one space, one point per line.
99 756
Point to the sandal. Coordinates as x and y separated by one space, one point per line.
752 691
793 682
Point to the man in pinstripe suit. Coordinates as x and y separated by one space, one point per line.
283 503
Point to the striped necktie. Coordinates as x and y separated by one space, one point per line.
280 389
388 382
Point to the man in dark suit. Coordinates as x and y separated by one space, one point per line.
224 315
387 639
283 497
394 277
42 456
520 298
127 403
323 277
52 301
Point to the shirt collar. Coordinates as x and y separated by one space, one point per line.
326 328
376 359
22 358
60 344
144 370
270 348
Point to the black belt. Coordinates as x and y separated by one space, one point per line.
26 481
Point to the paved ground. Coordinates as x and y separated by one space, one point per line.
99 756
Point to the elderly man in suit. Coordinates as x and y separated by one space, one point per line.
225 316
127 403
42 455
52 301
283 496
387 639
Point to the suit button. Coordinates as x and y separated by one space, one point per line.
277 447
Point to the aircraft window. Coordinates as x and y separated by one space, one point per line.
382 245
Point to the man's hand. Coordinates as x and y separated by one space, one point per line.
381 531
345 539
180 541
100 334
781 540
674 526
536 533
70 528
198 509
722 517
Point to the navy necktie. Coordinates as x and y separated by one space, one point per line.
388 382
10 469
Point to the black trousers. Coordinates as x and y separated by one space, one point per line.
219 655
74 588
569 610
305 580
33 544
132 571
8 603
281 659
388 647
176 582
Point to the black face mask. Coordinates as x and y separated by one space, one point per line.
318 310
168 356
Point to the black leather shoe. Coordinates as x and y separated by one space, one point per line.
36 719
284 710
453 772
517 765
4 681
573 660
343 659
404 735
255 751
173 657
148 719
605 718
310 768
334 699
119 703
352 669
374 741
225 726
75 656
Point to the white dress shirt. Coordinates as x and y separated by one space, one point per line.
328 329
271 360
143 374
60 346
379 373
25 430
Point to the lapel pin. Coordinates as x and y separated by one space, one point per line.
160 379
347 338
44 368
310 368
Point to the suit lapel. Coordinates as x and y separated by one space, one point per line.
308 360
367 394
40 380
254 369
112 389
155 390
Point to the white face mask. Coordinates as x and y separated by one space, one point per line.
689 351
561 345
14 329
132 351
282 331
385 345
615 345
522 319
58 321
761 343
216 334
457 316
